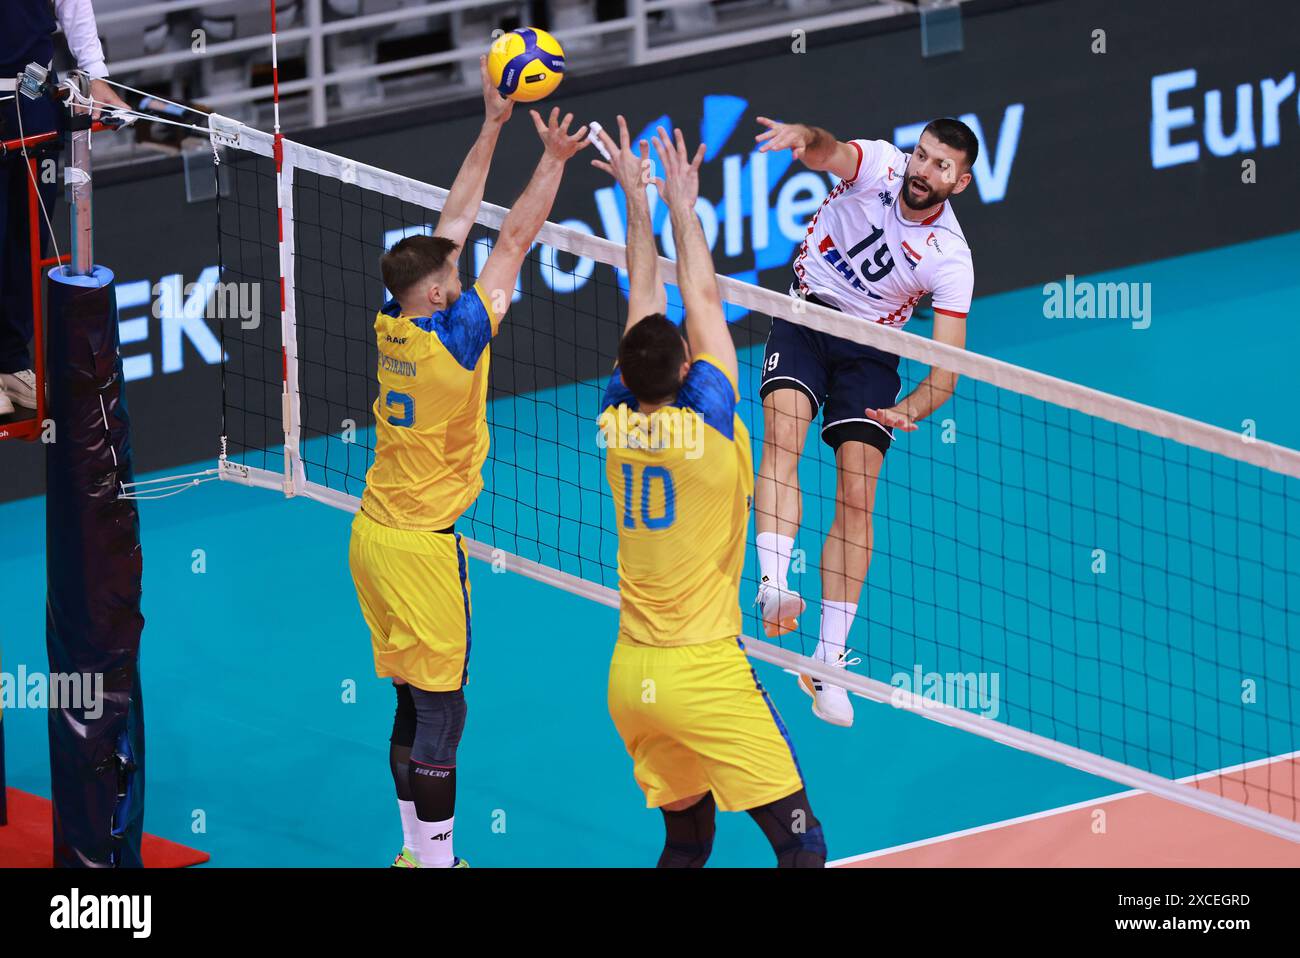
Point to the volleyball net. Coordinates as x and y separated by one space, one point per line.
1102 583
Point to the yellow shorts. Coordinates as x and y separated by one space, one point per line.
413 588
696 719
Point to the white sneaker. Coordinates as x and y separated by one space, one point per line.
830 702
781 608
20 387
6 406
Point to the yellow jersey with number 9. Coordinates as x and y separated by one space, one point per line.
431 434
682 480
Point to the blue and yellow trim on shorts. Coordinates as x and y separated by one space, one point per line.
463 568
776 716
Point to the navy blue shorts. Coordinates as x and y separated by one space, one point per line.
841 378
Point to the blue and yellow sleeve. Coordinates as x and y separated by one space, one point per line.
465 329
711 392
616 394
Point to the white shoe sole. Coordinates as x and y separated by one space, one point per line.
805 683
6 407
786 625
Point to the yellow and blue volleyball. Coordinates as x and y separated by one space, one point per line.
526 64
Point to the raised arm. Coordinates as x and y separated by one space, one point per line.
461 209
646 294
526 217
706 324
817 148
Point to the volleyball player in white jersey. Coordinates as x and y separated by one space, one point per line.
884 237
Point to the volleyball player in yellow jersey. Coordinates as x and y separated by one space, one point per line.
699 726
431 439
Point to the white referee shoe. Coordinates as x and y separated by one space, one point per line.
830 702
19 388
780 606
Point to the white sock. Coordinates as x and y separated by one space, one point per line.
774 557
409 820
837 619
433 844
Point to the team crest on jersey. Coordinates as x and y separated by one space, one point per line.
886 198
911 255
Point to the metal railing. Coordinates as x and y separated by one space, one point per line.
647 39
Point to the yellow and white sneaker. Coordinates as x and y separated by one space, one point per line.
407 860
830 702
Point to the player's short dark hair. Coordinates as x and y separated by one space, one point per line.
955 133
650 358
412 259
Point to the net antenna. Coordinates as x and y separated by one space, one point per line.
982 548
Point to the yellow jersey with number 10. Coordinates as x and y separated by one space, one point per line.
431 434
682 479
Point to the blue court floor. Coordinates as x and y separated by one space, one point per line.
267 731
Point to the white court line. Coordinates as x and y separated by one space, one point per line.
1050 812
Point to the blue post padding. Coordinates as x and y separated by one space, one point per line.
93 567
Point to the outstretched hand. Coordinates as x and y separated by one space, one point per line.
892 418
557 139
496 108
680 185
783 136
630 170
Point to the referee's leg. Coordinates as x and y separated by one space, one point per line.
39 116
15 309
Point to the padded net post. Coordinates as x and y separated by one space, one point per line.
93 568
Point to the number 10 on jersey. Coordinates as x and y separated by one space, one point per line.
637 485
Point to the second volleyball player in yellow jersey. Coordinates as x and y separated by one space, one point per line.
431 439
700 728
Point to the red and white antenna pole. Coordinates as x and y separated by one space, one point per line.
286 411
275 71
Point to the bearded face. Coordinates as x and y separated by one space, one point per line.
934 172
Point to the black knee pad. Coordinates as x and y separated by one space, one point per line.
793 831
688 835
404 721
440 719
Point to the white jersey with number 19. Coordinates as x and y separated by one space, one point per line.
861 256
